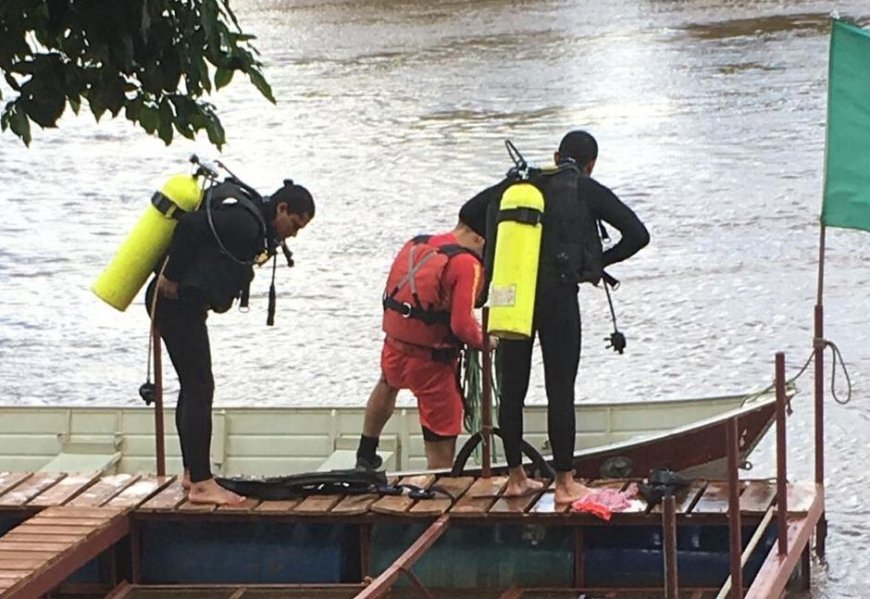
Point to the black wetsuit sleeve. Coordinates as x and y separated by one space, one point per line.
605 206
483 209
191 233
237 229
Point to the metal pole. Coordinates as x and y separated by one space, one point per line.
160 448
669 526
734 509
781 467
486 400
819 375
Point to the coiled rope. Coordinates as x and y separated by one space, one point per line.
836 360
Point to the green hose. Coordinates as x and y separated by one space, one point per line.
472 395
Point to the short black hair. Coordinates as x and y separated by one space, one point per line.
473 216
298 199
579 146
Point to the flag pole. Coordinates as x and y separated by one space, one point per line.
819 356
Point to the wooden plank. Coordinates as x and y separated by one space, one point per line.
28 537
202 508
546 504
105 489
685 498
480 497
140 491
64 490
757 496
399 504
800 497
355 504
27 547
441 503
317 505
249 504
714 500
277 506
518 505
22 564
67 511
63 530
63 512
165 500
9 480
11 555
30 488
359 504
46 569
776 570
78 522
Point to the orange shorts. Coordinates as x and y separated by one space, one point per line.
434 384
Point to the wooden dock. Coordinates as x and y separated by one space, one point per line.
55 524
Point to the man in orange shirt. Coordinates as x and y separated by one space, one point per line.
429 304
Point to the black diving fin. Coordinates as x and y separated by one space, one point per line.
294 486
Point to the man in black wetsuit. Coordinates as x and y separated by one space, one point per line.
209 265
569 255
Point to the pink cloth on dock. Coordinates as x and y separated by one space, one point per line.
604 502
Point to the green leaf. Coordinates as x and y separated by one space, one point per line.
20 125
132 108
164 131
149 118
261 84
42 100
222 77
215 131
98 107
167 119
75 104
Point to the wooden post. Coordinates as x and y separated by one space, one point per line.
159 440
486 400
669 530
781 467
732 439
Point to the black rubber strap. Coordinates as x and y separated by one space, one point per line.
527 216
165 206
429 317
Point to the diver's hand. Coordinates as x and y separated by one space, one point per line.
167 287
493 342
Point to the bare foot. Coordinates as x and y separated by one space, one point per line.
185 480
209 492
569 490
520 485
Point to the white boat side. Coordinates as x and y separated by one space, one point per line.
286 440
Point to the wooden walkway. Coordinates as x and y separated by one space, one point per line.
460 497
68 520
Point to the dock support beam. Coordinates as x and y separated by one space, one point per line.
669 526
381 585
732 439
781 466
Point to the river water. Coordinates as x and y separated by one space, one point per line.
710 118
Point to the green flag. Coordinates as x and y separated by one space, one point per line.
847 161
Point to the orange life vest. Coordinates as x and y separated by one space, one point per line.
416 306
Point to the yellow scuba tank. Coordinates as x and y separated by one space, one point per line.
138 255
515 265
